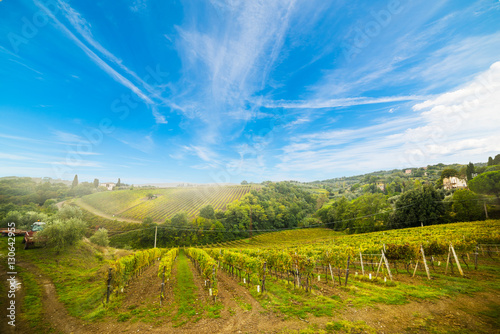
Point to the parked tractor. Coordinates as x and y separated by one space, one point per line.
29 236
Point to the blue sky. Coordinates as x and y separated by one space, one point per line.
225 91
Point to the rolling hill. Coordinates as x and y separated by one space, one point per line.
161 204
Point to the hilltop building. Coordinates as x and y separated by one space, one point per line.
108 185
454 183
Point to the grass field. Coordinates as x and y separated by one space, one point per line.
137 205
449 303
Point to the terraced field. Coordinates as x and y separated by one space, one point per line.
135 204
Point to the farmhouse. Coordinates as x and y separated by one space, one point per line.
454 183
108 185
408 171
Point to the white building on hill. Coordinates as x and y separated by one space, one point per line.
108 185
454 183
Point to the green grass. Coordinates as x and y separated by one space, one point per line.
185 293
294 302
76 272
32 310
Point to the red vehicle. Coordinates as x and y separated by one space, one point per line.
17 232
29 236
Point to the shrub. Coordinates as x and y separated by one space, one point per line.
60 234
100 237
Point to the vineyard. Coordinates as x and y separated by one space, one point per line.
314 280
160 204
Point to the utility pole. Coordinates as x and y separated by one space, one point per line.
485 210
250 222
156 233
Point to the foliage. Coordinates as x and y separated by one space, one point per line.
486 183
167 262
60 234
124 268
100 237
466 206
75 182
469 171
69 211
416 207
206 264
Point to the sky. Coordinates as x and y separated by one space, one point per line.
224 91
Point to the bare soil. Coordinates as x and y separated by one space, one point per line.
241 313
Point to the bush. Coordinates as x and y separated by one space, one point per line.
100 237
60 234
68 212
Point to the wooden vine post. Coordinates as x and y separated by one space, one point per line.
331 273
362 266
425 262
108 291
387 265
456 260
162 290
347 269
380 264
264 278
475 257
415 271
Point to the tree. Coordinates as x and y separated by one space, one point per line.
207 212
470 171
68 212
118 183
100 237
75 182
244 182
60 234
96 183
417 206
496 160
466 206
487 183
490 161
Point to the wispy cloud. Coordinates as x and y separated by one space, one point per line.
344 102
13 156
83 28
231 58
67 137
456 126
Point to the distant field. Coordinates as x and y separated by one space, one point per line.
134 204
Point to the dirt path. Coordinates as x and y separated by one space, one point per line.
96 212
54 312
20 323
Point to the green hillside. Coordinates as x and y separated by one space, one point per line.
161 204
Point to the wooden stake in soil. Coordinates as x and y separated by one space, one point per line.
456 260
379 265
362 267
387 265
415 271
331 273
475 257
264 278
425 262
347 270
108 291
162 290
448 260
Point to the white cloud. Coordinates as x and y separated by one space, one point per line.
13 156
83 28
67 137
457 126
344 102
